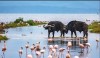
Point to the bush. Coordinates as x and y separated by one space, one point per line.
3 37
19 20
95 26
30 22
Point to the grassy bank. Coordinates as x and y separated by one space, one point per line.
94 27
19 22
3 37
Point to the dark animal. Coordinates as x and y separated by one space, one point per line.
55 26
74 26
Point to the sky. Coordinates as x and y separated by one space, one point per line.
62 7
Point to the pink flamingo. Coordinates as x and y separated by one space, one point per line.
27 46
76 57
61 50
97 40
81 46
4 49
32 47
38 46
43 51
50 40
29 56
50 56
68 55
50 48
20 52
38 53
87 45
69 46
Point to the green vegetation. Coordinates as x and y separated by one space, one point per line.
3 37
19 22
94 27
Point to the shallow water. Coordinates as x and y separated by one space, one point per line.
39 34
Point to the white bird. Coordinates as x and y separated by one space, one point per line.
29 56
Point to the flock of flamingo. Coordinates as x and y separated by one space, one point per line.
54 50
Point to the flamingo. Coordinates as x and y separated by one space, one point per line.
29 56
38 46
49 56
81 46
4 48
87 45
76 57
69 46
38 53
54 52
61 51
97 40
68 55
20 52
32 48
42 51
27 46
50 40
56 47
50 48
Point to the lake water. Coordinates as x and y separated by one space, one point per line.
65 18
39 34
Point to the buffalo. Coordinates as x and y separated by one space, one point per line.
53 26
74 26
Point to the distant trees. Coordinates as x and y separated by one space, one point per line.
30 22
18 20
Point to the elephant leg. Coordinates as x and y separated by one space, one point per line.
75 33
71 33
48 34
53 34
